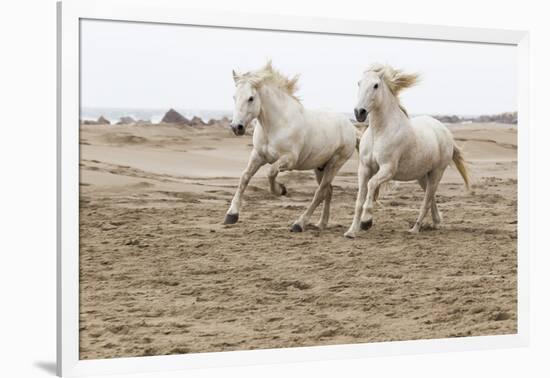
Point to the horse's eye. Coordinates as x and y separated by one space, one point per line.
375 86
358 83
250 99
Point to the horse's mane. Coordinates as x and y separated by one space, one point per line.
269 75
395 79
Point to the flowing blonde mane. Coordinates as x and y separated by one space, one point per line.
395 79
269 75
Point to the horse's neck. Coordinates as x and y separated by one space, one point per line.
278 108
389 115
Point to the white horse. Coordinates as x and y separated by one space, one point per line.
288 137
395 147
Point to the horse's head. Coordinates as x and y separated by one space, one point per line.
377 84
369 95
247 105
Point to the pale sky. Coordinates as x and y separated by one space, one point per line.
142 65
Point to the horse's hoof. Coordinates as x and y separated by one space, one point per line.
350 235
231 218
283 190
296 228
366 225
414 230
320 226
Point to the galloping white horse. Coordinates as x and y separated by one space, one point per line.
288 137
395 147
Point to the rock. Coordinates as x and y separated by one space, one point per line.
173 116
224 122
126 121
196 121
508 118
448 119
103 121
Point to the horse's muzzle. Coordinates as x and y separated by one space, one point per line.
238 129
360 114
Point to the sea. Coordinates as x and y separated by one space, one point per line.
154 115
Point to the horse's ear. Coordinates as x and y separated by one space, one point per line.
235 77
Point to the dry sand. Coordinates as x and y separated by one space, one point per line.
160 273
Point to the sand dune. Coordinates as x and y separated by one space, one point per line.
161 274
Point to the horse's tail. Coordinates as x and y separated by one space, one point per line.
458 159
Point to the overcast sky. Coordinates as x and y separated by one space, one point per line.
141 65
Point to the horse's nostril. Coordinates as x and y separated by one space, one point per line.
360 114
240 127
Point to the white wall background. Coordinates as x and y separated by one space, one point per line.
27 198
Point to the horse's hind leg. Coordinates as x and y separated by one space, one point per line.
275 187
432 181
436 216
329 172
323 221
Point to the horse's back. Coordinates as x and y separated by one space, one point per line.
325 134
432 148
333 128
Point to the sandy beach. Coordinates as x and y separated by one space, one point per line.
160 273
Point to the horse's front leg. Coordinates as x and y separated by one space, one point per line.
384 174
254 163
330 171
363 176
275 187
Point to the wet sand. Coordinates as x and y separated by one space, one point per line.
160 273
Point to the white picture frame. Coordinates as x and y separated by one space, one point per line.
172 12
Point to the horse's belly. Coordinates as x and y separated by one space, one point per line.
314 161
408 175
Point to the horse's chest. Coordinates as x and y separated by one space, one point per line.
268 152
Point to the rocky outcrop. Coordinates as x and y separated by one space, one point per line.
103 121
508 118
448 119
126 121
224 122
173 116
100 121
196 121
